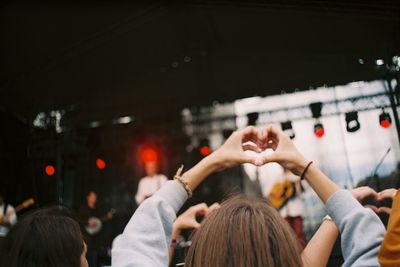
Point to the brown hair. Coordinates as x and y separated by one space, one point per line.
244 232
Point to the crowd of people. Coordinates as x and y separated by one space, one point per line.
241 231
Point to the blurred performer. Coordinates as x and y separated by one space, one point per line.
91 219
8 217
149 184
285 197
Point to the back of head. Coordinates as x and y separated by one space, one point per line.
244 232
44 238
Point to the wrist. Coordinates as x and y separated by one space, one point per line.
213 162
300 165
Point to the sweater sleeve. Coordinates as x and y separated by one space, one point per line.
361 229
389 254
145 240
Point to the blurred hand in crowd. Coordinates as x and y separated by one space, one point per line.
187 220
232 152
386 194
363 192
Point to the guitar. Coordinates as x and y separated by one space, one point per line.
96 224
281 193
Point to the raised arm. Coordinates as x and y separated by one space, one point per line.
319 248
146 239
361 229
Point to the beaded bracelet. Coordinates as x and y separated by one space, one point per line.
185 185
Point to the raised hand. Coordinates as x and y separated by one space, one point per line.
187 220
232 152
386 194
360 193
284 151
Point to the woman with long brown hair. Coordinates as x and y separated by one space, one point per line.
244 232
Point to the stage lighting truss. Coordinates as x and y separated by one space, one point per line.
203 124
288 129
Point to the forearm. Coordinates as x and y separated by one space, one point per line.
321 184
196 175
319 248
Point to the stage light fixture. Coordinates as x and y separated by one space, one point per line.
252 118
319 130
384 119
50 170
352 123
316 109
379 62
204 148
101 164
288 129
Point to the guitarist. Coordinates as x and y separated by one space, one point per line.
291 206
8 217
87 215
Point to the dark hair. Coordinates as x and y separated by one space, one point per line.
48 237
244 232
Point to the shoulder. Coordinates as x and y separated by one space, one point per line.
144 180
162 176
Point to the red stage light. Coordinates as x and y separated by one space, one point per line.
50 170
149 154
319 130
385 120
385 123
100 164
205 150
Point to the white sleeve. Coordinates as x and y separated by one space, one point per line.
361 229
139 194
164 179
146 239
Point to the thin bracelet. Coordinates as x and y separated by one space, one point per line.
178 178
305 170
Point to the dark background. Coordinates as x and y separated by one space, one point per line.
103 60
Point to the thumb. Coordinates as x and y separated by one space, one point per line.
195 224
266 159
247 159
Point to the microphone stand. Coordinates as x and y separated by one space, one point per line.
374 173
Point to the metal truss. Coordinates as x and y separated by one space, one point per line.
203 124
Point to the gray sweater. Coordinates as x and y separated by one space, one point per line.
145 240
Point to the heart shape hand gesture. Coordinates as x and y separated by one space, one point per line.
363 192
232 152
